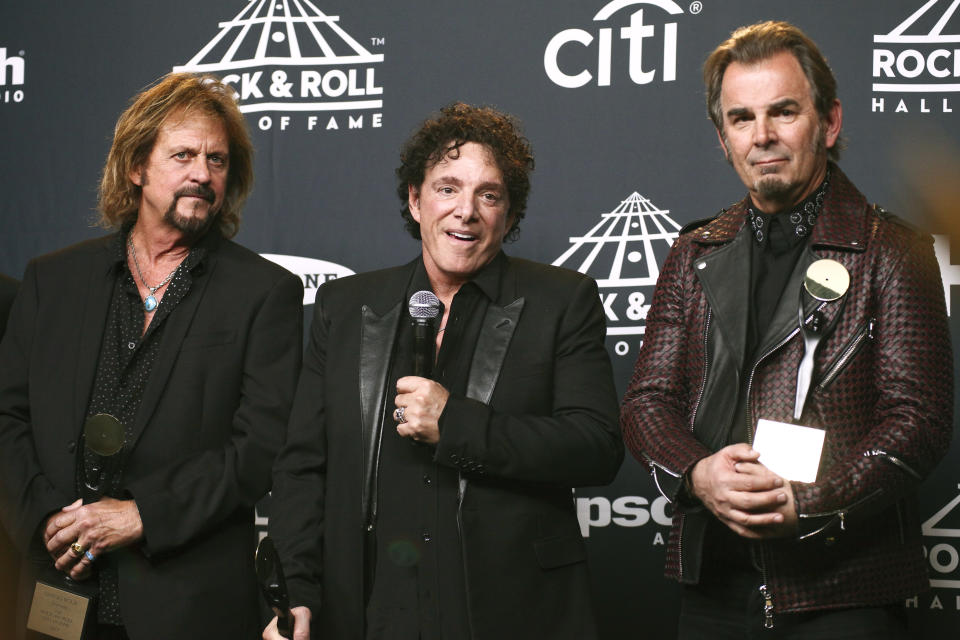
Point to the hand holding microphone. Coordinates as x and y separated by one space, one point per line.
419 400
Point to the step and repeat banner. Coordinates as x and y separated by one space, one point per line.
610 95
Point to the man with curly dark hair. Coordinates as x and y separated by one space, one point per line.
439 506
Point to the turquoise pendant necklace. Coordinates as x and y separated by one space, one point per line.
150 302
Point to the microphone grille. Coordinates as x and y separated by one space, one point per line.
423 304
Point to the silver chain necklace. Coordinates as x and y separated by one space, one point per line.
150 302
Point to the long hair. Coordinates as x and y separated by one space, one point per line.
456 125
176 94
761 41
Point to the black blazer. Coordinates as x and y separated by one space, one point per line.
540 418
8 289
209 424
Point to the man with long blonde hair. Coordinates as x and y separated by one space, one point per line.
181 344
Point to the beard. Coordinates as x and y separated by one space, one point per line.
194 225
775 188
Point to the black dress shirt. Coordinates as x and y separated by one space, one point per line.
419 588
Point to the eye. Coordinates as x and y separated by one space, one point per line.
491 197
181 155
217 160
445 190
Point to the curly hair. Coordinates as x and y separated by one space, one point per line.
761 41
175 95
443 135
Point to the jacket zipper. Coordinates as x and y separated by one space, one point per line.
706 368
866 331
693 420
768 600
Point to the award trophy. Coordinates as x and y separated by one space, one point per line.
61 606
274 586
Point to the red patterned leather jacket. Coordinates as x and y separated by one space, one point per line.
882 389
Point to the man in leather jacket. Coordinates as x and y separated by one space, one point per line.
724 348
439 506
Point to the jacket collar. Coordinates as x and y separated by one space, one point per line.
841 224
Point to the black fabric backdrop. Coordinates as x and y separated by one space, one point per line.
611 98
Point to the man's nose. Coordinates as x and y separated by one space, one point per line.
764 132
466 207
199 171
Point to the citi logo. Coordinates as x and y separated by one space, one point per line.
311 272
919 57
582 60
291 57
12 70
623 253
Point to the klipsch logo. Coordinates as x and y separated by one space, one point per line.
622 252
12 70
312 272
292 59
916 67
572 59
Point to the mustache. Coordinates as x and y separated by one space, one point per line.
199 191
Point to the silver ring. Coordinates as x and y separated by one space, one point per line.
398 414
89 556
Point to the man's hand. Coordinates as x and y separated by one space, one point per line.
97 528
301 626
423 401
743 494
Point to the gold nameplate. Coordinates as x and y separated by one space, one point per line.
58 612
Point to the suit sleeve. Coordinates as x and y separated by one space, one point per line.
575 441
204 489
299 475
26 495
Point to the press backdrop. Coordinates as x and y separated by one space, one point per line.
611 98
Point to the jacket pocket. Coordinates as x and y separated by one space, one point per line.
208 339
862 336
559 551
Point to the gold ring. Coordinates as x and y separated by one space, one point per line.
77 548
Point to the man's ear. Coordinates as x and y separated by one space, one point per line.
832 124
723 145
413 201
138 176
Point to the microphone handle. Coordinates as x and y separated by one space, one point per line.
284 622
423 347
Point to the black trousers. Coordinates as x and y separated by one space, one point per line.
733 609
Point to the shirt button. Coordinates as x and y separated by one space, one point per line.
131 345
427 481
427 537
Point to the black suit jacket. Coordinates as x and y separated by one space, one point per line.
210 421
8 289
9 557
539 417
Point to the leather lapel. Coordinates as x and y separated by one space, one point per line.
497 329
785 318
178 322
96 303
378 335
725 277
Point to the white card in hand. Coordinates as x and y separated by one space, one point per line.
789 450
